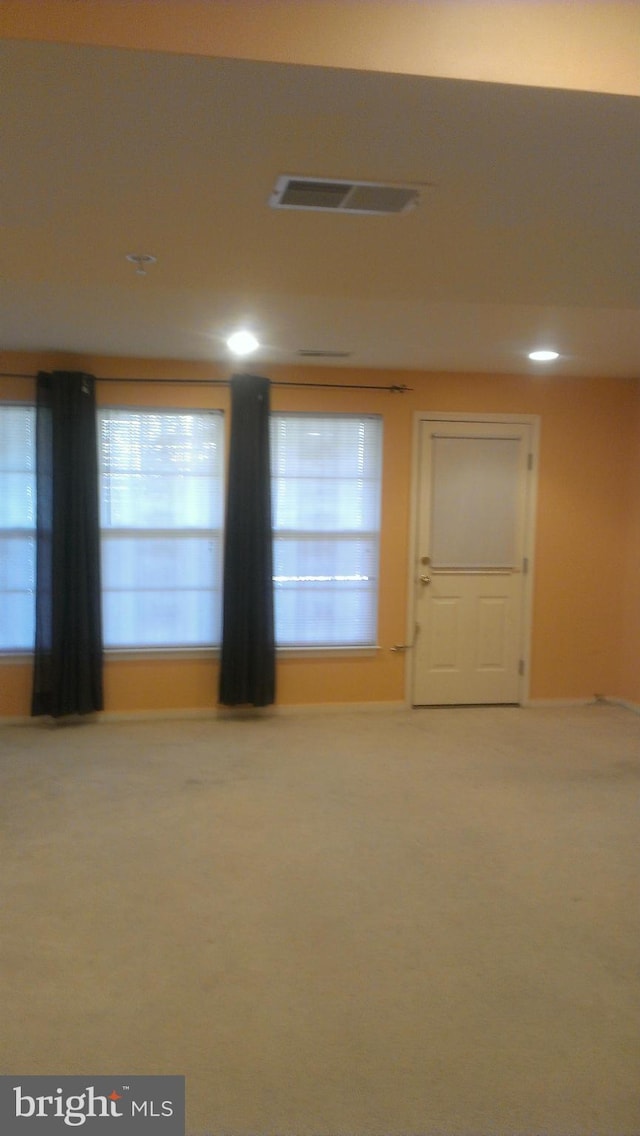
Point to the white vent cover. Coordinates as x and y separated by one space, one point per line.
330 196
321 353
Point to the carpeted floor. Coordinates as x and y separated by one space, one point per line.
348 924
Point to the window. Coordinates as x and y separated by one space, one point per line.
161 505
326 477
17 527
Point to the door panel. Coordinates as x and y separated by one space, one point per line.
492 616
473 480
469 591
444 640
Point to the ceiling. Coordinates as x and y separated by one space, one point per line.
527 233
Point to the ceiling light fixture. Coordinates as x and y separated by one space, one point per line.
544 356
142 260
242 343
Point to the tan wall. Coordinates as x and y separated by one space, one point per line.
629 684
584 45
586 616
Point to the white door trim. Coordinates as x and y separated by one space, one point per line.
533 421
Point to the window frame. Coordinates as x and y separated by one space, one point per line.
23 652
337 648
213 649
166 650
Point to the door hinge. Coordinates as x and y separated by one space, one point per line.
530 461
521 667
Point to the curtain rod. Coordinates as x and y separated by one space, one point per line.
395 388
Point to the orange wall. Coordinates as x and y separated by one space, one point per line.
586 600
585 45
629 684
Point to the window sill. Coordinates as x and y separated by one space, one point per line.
172 653
127 654
335 651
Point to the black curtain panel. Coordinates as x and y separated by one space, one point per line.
67 675
247 674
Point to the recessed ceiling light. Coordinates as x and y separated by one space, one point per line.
544 356
242 343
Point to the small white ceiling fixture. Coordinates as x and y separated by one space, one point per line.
544 355
142 260
242 343
326 195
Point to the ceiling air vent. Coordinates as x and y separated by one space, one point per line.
320 353
321 194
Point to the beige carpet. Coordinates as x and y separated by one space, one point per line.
348 924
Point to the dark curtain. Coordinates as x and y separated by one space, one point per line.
247 674
67 675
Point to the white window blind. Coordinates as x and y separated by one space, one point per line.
17 527
326 480
474 502
161 505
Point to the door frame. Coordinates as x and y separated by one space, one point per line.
533 422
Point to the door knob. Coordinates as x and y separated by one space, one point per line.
425 580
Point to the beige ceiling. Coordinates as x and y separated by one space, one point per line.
527 234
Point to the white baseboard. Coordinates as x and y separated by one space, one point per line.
214 713
601 700
224 713
108 716
634 707
337 707
228 713
558 703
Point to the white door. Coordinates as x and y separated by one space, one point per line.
473 495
